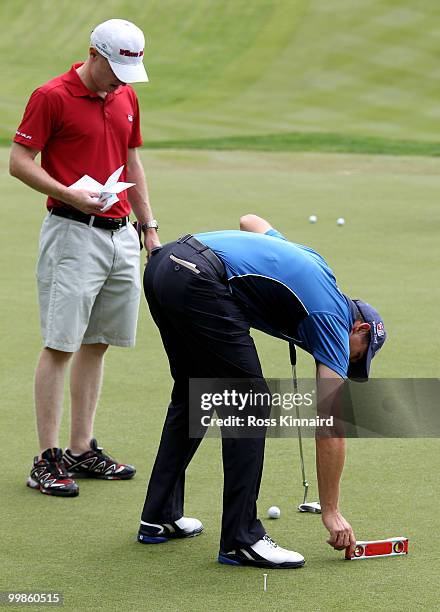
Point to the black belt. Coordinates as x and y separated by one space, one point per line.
206 252
102 222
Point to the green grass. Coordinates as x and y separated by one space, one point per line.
307 141
221 69
387 253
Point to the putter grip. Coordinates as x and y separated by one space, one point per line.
292 352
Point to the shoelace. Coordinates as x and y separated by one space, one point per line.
58 468
100 451
270 541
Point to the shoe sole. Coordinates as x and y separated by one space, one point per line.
36 486
146 539
225 560
99 476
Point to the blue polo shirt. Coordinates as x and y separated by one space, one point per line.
287 291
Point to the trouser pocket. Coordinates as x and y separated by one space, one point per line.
186 264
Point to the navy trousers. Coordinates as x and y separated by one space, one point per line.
205 333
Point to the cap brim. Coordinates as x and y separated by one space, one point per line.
359 371
130 73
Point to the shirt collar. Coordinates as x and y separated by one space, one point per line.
74 84
353 310
77 88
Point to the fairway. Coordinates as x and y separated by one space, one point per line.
387 253
362 68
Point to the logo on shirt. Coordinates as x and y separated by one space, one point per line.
23 135
130 118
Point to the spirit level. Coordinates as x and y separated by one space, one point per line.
393 547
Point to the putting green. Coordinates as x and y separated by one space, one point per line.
387 253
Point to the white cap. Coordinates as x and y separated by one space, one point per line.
122 44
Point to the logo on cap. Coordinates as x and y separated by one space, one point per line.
103 48
380 329
128 53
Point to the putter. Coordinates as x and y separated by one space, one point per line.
314 507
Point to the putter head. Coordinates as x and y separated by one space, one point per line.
314 507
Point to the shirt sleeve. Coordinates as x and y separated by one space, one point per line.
275 233
38 122
327 339
136 136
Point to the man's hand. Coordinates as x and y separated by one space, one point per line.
84 200
151 240
341 533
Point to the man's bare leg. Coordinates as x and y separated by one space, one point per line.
85 385
49 391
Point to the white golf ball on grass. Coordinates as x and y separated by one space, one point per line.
274 512
340 221
313 219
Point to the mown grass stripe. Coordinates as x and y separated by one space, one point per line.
307 141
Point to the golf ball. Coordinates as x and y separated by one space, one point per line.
340 221
274 512
313 219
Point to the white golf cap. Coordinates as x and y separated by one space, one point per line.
122 44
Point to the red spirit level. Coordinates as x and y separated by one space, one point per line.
393 547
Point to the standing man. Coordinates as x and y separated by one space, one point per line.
85 121
205 292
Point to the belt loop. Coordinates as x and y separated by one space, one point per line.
92 220
184 238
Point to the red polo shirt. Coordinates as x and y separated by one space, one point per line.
80 133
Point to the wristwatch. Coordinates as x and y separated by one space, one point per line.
150 225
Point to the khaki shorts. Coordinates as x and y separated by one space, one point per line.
88 284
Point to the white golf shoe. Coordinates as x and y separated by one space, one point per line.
264 553
156 533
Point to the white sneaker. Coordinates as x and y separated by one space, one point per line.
189 526
156 533
264 553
